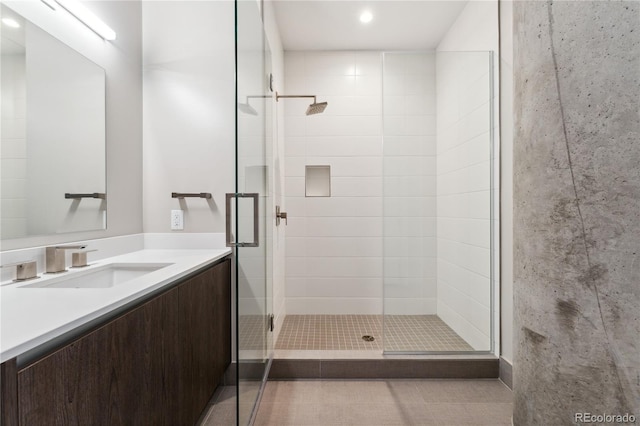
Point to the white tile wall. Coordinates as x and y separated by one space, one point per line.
334 305
476 30
409 183
13 217
334 244
463 194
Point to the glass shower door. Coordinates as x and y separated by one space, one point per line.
250 209
438 202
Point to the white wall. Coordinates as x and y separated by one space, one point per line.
189 100
122 61
334 244
464 174
409 183
189 133
189 113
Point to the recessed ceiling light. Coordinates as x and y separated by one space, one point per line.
366 17
10 22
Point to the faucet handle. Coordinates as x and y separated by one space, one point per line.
79 258
25 270
55 258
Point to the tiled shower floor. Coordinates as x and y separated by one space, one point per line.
408 333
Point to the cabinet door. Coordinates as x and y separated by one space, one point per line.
115 375
222 314
197 302
205 336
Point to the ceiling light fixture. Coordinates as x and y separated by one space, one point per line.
366 17
87 17
9 22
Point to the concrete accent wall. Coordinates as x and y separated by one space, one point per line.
577 204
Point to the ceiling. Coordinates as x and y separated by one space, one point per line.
335 24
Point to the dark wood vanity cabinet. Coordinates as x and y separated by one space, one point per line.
157 364
204 358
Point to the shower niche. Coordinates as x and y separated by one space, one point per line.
317 181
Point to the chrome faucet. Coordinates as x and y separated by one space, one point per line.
55 260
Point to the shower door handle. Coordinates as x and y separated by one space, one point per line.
256 222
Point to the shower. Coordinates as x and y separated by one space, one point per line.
402 248
314 108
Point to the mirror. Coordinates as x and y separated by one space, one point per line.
52 139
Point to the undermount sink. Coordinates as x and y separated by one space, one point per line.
105 276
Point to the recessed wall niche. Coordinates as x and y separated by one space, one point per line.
317 181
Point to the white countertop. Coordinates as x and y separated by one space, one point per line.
31 317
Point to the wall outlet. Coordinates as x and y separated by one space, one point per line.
177 220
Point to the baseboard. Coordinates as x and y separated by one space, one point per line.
506 373
230 376
287 369
251 370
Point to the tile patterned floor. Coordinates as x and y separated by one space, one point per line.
252 332
372 403
344 332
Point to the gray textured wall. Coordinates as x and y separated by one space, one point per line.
576 209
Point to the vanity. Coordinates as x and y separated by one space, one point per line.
147 348
142 333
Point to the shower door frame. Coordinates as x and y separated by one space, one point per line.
256 85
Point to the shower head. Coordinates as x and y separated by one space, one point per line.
247 109
316 108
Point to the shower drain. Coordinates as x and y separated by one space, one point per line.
368 338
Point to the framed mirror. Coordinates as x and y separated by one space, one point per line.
52 138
